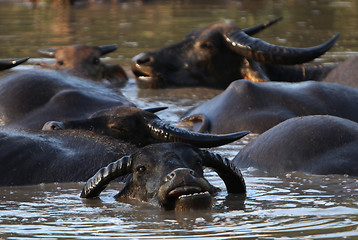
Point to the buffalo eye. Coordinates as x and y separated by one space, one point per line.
60 63
96 61
141 169
207 45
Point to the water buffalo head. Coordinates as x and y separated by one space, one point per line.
84 61
9 63
216 55
169 175
141 128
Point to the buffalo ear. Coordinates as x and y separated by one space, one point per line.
228 172
115 75
198 123
49 52
95 185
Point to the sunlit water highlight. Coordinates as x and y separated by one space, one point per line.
289 206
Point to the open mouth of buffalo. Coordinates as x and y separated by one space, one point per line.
148 81
188 198
142 76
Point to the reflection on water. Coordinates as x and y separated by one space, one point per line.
291 206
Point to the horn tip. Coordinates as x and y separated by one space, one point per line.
20 60
239 135
50 52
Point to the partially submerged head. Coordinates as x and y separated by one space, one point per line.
216 55
84 61
141 127
168 175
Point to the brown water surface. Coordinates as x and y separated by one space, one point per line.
289 206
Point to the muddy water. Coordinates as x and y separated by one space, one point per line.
289 206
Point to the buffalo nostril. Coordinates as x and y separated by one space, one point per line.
144 60
180 173
170 176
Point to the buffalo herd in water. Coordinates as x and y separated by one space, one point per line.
69 121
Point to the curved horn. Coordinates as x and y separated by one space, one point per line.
155 109
264 52
49 52
95 185
230 174
6 64
107 48
168 133
258 28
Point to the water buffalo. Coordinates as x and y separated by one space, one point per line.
84 61
345 73
219 53
141 128
9 63
29 158
76 153
259 106
169 176
30 98
317 144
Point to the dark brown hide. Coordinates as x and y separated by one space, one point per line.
84 61
259 106
210 56
28 99
312 144
345 73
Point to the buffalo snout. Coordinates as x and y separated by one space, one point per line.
142 68
181 173
184 190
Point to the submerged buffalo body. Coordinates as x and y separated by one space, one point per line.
312 144
219 53
169 176
345 73
84 61
28 99
28 158
75 150
259 106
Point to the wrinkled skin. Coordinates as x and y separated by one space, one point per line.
60 156
28 99
169 176
126 123
312 144
84 61
141 127
345 73
259 106
204 58
78 148
162 173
